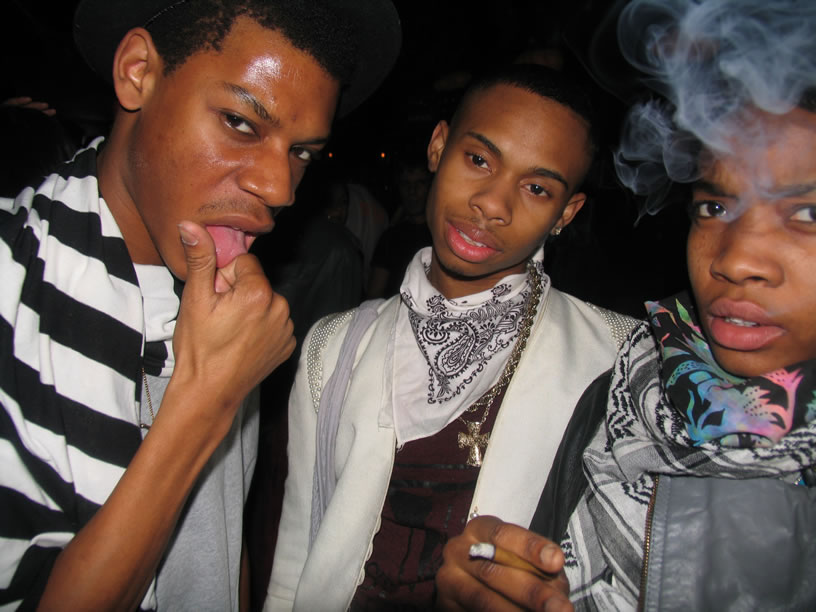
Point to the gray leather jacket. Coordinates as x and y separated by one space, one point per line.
721 544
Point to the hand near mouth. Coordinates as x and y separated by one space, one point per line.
232 329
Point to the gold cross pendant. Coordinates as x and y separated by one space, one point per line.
476 441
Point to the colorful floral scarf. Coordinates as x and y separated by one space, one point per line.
673 411
716 405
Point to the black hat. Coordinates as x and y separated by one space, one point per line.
99 26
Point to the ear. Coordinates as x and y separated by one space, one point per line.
136 66
437 144
575 204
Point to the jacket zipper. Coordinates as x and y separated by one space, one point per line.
647 545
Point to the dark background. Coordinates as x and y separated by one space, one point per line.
604 256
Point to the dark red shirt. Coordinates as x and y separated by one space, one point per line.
427 502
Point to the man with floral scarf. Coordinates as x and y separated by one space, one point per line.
453 385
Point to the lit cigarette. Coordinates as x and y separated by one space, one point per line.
485 550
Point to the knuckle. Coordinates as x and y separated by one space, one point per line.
473 600
290 346
456 590
265 293
259 292
197 261
535 597
443 576
532 546
538 594
448 555
488 571
282 305
501 530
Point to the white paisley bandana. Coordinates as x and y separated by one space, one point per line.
448 353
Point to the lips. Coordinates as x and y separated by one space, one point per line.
741 325
470 242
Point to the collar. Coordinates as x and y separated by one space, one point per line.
161 298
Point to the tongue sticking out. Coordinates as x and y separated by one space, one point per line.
229 243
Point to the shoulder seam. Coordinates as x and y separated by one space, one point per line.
619 325
324 329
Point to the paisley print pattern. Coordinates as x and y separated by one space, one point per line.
458 345
459 338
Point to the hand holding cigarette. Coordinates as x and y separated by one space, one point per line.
495 565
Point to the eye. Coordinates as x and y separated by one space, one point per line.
805 214
706 209
305 155
238 124
477 160
537 190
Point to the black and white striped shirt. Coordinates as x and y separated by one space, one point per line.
72 345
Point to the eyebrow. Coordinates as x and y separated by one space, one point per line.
792 191
545 172
788 191
486 142
248 98
712 189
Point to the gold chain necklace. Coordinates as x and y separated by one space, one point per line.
149 403
476 441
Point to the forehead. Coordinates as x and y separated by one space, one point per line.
507 102
771 154
517 120
255 56
250 42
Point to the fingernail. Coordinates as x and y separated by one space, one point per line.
548 554
186 237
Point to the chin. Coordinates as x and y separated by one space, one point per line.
177 270
745 365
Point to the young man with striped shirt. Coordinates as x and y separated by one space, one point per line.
126 442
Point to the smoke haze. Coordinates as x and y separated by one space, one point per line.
712 61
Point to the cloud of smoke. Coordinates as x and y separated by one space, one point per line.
712 61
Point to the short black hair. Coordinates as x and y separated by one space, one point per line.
189 26
544 82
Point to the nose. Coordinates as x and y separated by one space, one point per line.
268 175
493 200
746 251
